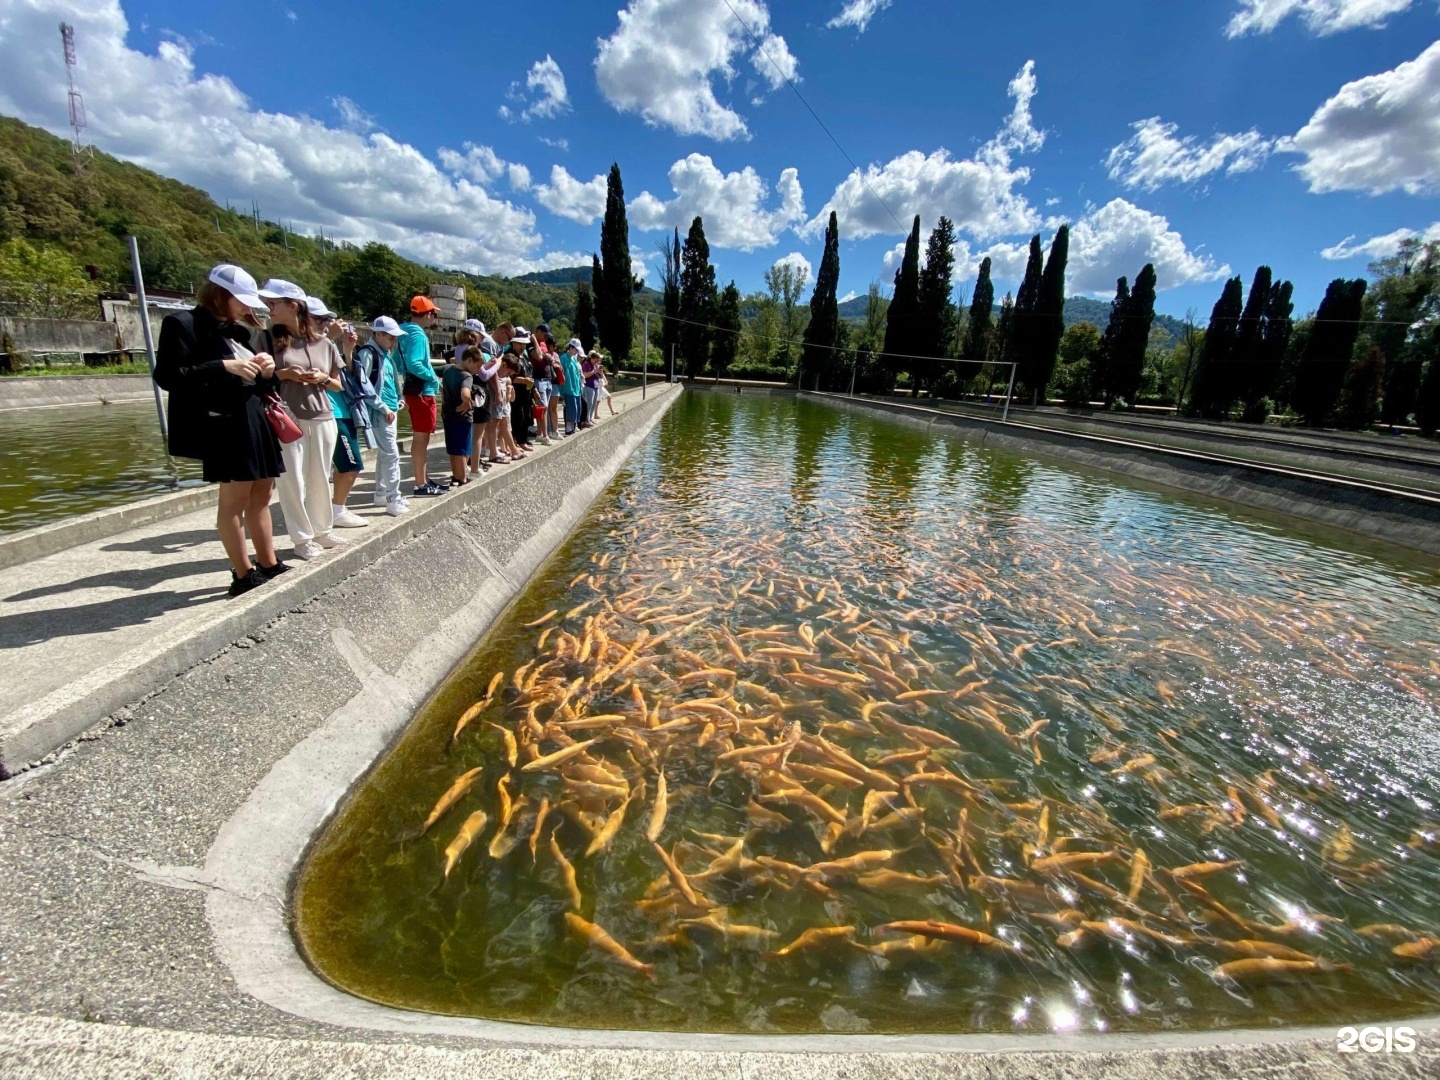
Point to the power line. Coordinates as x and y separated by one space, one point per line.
760 47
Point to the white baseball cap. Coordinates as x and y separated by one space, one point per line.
280 289
317 308
386 325
476 325
238 284
576 344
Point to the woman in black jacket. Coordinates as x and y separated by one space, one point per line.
215 362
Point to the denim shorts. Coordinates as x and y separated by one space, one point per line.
544 391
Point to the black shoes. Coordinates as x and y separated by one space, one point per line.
270 573
239 585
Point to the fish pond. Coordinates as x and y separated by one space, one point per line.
820 723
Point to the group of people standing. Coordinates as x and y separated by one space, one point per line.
503 391
294 404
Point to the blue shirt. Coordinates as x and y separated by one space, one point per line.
414 349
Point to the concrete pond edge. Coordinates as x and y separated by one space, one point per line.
1406 519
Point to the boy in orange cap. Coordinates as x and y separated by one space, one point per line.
421 386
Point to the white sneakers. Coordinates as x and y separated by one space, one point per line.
329 540
397 506
345 518
308 550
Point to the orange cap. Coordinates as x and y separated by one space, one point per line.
421 304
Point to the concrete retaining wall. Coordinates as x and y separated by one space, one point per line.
1404 518
58 335
34 392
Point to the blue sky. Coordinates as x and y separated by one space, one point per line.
1198 135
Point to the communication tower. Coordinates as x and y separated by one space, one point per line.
81 152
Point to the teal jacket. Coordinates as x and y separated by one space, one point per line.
380 369
414 349
573 379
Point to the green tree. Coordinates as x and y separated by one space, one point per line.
615 283
1405 288
902 317
697 299
1359 403
982 318
164 263
786 283
1125 365
934 316
1217 380
1427 406
480 305
1020 340
375 281
1320 377
1048 319
1002 345
1110 342
727 330
45 283
824 306
585 328
1248 350
1079 346
670 295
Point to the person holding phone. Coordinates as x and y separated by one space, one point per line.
216 364
307 369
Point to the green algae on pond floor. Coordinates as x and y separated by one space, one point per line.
889 677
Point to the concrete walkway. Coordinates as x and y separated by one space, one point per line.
84 630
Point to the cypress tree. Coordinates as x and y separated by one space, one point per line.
1359 403
1049 318
982 316
1022 326
819 340
697 299
1321 374
585 316
1251 330
1264 373
670 286
727 330
1001 345
900 320
931 323
1216 383
615 283
1110 343
1133 337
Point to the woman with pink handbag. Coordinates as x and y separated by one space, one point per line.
216 363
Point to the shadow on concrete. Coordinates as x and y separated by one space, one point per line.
33 627
168 544
135 580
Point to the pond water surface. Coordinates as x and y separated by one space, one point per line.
1025 748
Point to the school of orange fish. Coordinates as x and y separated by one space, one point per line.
851 761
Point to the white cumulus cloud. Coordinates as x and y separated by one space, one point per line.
545 94
159 111
664 60
1379 247
734 205
978 194
564 196
1320 16
1377 134
1116 240
858 13
800 263
484 166
1153 156
352 116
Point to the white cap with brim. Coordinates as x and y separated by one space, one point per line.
476 325
386 325
238 283
576 344
280 289
317 308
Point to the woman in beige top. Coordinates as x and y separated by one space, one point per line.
308 367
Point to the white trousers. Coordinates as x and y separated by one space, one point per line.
305 484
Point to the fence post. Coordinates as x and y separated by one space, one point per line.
149 338
1010 392
645 371
672 363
